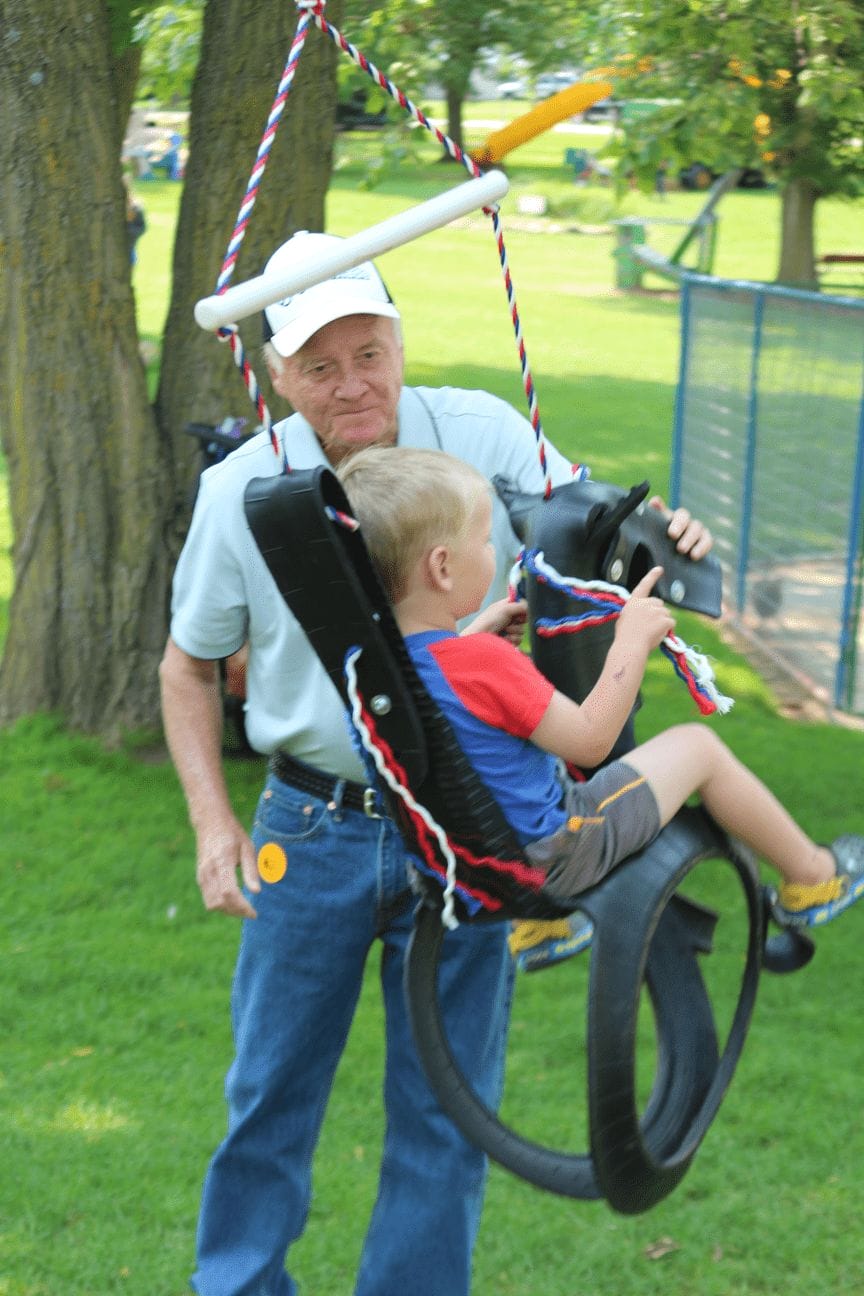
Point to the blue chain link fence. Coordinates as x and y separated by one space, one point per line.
769 452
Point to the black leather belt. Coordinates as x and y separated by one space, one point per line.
323 786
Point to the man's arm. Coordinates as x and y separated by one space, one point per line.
192 716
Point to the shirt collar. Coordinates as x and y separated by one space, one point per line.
416 428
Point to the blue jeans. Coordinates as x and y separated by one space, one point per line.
296 986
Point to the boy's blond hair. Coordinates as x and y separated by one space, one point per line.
408 501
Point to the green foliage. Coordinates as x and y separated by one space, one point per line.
442 40
124 17
171 37
765 84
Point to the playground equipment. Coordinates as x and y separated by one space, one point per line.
634 256
645 931
769 451
233 304
566 103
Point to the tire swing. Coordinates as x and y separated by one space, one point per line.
469 867
644 930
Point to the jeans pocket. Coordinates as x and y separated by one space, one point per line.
287 814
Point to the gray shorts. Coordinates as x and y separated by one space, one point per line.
611 816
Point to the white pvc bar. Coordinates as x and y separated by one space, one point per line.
253 295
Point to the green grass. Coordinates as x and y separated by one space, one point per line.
115 983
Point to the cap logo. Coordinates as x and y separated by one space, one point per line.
355 272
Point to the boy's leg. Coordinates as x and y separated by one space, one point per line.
691 758
819 882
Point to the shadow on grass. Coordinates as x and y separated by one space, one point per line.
622 429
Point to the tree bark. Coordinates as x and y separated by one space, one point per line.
244 48
88 471
99 489
127 67
455 99
797 247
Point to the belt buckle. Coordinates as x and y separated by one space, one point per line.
369 804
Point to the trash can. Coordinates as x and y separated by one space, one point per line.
628 271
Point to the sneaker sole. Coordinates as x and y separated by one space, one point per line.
819 914
554 951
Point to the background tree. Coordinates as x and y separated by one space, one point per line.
443 41
98 485
231 97
168 37
777 84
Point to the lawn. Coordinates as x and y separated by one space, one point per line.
115 983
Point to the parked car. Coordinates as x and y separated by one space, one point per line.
604 110
352 114
551 82
515 89
699 176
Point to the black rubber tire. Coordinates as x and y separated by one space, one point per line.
634 1160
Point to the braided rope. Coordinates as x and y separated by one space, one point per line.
455 151
432 840
399 786
229 333
604 603
310 11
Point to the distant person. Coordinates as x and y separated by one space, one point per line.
136 222
170 161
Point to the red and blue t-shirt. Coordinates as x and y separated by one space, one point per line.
494 698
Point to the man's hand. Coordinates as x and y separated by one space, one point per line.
222 849
691 536
192 714
645 620
504 618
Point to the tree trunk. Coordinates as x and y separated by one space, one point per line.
88 474
244 48
797 249
455 99
127 67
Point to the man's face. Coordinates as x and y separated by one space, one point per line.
346 381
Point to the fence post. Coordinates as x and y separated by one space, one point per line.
750 455
680 398
852 591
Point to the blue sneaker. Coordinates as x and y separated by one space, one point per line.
811 906
537 944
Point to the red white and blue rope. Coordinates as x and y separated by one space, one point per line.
438 853
394 777
229 333
310 11
602 602
455 151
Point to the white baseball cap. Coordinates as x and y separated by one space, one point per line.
358 291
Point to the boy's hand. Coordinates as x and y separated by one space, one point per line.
644 619
502 618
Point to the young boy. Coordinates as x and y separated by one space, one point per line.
426 520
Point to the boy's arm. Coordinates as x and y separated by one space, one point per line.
584 735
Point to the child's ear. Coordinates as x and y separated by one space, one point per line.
438 568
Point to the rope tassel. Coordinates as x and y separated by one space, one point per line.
603 602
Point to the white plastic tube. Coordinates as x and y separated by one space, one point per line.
253 295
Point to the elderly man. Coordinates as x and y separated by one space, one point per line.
322 879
